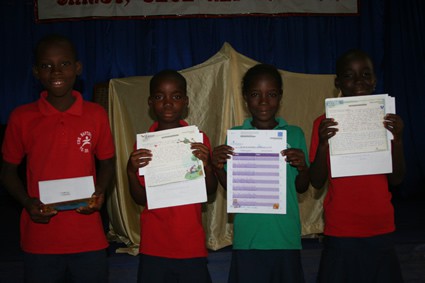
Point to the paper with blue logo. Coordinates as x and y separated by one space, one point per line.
362 145
256 173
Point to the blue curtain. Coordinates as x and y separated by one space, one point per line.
391 31
404 73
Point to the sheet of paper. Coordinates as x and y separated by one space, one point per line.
174 194
65 190
174 176
172 158
362 146
256 173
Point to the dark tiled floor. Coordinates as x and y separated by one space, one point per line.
410 239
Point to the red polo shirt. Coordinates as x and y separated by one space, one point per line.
358 206
59 145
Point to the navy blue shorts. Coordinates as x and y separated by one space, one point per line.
154 269
355 260
79 267
271 266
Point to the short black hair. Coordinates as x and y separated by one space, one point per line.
261 70
348 56
165 74
53 39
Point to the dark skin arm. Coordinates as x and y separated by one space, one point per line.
104 179
14 185
395 125
220 156
202 152
296 158
319 167
138 159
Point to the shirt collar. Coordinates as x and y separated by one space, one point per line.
47 109
155 125
281 123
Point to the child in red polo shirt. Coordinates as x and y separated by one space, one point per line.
60 135
359 216
172 246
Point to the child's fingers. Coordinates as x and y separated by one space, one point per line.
294 157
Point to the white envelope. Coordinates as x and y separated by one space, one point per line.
63 190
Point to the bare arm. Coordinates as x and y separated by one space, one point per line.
395 125
295 157
138 158
202 152
14 185
319 167
220 156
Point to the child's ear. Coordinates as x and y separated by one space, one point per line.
35 72
336 82
79 67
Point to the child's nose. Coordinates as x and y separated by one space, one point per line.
56 68
263 99
168 101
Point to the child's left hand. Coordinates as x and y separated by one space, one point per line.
201 152
394 124
296 158
95 204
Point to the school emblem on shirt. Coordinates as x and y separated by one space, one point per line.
84 141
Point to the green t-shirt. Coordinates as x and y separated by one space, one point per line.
273 231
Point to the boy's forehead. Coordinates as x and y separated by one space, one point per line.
356 63
62 47
163 81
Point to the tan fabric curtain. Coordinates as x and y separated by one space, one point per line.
215 105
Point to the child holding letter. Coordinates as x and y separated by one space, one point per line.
266 247
67 244
172 246
359 216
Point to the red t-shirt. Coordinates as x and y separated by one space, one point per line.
358 206
173 232
59 145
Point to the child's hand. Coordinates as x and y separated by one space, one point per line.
138 158
95 204
39 212
395 125
201 152
220 155
327 130
296 158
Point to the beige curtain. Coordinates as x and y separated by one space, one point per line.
215 105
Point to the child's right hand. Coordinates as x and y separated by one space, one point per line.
327 130
139 158
220 155
39 212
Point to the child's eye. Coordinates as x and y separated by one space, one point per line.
158 97
177 97
347 75
367 75
45 66
273 94
66 64
254 94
